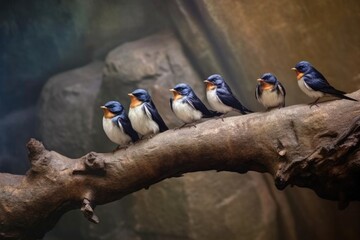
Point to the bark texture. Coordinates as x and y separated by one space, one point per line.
316 147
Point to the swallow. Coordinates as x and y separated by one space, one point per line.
144 115
117 125
314 84
187 106
270 92
220 96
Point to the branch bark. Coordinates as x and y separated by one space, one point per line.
316 147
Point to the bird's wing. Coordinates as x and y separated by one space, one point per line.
228 99
197 104
153 114
226 86
127 127
171 104
258 91
281 88
317 82
314 80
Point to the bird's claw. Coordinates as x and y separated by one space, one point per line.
189 125
120 147
314 103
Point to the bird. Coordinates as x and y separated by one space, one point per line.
270 92
220 96
187 106
314 84
143 114
117 125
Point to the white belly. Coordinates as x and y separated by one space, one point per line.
185 112
215 102
141 122
308 91
114 133
271 99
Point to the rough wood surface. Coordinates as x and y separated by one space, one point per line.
316 147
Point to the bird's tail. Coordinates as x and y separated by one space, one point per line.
211 114
244 110
345 97
340 94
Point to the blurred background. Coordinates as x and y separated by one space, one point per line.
60 60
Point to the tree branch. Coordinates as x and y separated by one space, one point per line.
317 148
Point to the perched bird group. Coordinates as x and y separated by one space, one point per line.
145 120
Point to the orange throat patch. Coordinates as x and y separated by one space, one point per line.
134 102
266 86
176 95
107 113
210 86
299 75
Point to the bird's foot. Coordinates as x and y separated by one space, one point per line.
189 125
120 147
272 108
147 137
314 103
221 117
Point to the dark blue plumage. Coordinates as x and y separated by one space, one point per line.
270 92
220 96
156 116
117 125
126 124
314 84
187 106
143 114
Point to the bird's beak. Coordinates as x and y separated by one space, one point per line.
209 85
299 75
134 102
260 80
176 93
107 113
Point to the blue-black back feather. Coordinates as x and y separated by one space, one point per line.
155 115
127 127
194 101
316 81
225 94
226 97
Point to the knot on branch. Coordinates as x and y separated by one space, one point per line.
36 149
94 162
280 149
91 163
88 211
329 168
38 156
280 182
347 143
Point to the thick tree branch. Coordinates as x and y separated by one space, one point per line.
317 148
